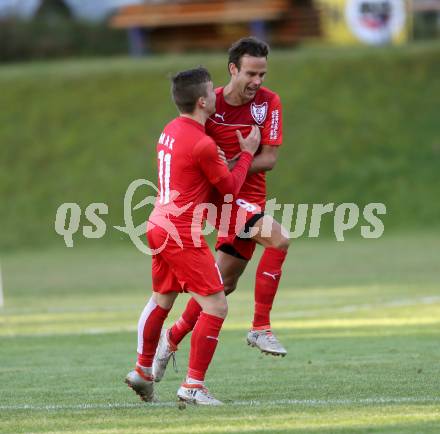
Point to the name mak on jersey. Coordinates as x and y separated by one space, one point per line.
167 141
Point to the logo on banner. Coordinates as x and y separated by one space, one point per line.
259 112
375 21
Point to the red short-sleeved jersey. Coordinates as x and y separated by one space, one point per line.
265 111
188 165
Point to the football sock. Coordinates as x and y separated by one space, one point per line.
185 323
266 285
204 341
149 328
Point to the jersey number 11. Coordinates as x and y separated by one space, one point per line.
164 176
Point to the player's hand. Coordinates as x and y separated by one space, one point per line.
222 155
251 142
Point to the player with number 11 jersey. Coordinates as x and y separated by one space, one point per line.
189 166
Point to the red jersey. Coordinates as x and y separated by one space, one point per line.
265 111
188 166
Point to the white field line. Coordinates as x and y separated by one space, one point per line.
76 309
80 332
299 402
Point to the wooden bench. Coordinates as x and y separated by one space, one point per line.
215 24
194 13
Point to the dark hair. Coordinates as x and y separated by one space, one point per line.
251 46
188 86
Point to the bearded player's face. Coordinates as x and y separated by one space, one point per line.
249 78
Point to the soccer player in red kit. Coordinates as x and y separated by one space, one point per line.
240 104
189 167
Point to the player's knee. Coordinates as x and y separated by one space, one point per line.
217 306
281 243
284 243
222 309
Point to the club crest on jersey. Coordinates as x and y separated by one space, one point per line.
259 112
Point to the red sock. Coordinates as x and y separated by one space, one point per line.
185 323
149 328
203 344
266 285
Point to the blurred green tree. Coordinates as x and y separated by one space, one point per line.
53 10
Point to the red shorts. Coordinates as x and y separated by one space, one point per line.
177 269
235 235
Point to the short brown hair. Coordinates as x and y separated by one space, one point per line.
188 86
251 46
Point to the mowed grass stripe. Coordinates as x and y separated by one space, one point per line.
251 403
298 313
53 325
394 419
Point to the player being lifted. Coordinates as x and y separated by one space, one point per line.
189 166
239 105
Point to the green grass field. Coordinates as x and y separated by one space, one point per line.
360 320
88 128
